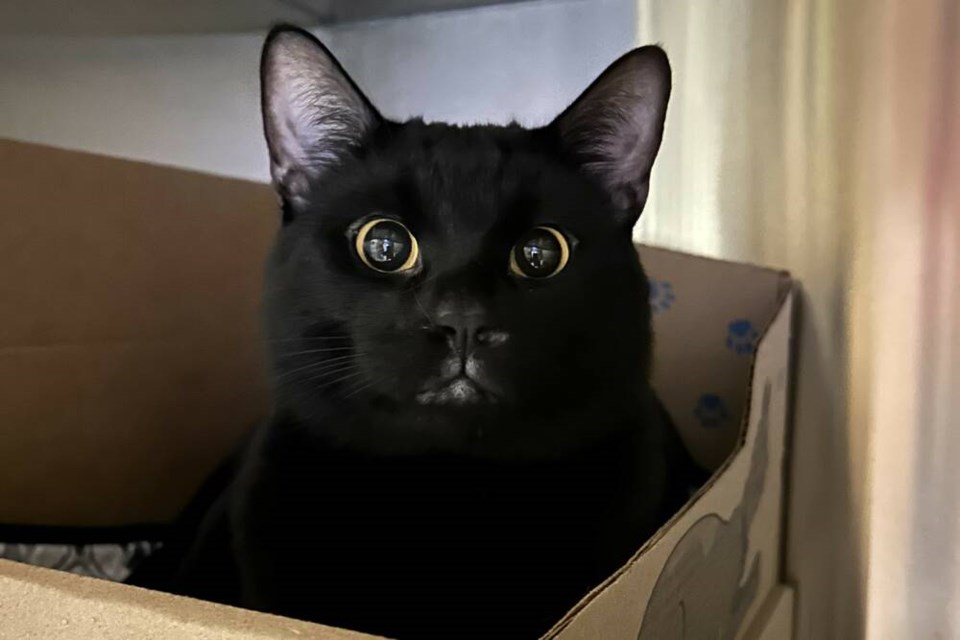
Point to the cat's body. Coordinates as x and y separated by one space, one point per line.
427 546
464 440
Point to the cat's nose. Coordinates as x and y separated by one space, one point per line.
468 330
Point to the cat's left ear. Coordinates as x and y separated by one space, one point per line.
613 130
314 115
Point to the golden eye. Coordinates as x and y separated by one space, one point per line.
542 252
386 246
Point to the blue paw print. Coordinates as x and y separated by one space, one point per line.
661 295
742 337
710 411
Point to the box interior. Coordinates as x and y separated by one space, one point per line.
129 358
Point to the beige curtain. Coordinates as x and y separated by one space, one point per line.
824 137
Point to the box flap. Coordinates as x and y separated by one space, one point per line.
708 318
52 605
128 345
706 572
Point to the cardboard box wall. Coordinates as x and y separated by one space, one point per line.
128 324
129 364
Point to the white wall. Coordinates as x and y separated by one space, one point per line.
183 101
192 101
523 62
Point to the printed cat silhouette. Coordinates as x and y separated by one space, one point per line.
704 591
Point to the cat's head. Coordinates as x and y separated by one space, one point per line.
457 278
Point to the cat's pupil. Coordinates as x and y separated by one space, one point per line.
540 253
382 249
534 255
387 245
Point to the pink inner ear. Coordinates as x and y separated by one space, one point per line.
313 112
616 125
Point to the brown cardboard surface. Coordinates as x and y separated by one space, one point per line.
128 321
40 604
708 318
775 620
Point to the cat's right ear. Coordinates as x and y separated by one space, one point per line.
313 113
613 130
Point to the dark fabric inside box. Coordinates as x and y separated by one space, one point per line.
110 553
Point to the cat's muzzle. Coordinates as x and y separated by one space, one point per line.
460 390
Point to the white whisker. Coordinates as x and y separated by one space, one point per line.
341 379
319 363
308 338
326 373
291 354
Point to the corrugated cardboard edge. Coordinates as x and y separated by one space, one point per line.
54 605
785 305
785 277
774 621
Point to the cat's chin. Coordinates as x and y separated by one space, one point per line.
460 391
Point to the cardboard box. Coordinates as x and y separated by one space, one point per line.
129 363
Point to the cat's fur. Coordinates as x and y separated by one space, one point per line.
357 505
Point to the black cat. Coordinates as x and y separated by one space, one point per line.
463 439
